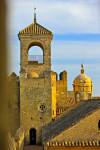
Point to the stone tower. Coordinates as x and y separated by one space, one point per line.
35 81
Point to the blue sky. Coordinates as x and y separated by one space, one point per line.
76 28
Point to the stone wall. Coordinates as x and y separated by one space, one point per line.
35 105
13 103
11 142
64 98
61 90
16 142
35 81
42 41
19 139
54 99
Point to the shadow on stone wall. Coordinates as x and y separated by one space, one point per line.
3 77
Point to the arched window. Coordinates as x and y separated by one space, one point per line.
35 55
99 125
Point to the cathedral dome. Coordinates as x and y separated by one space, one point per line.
82 84
82 78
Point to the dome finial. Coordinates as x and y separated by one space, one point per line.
82 69
34 15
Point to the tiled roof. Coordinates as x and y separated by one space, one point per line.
70 118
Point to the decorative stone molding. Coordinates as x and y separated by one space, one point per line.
74 144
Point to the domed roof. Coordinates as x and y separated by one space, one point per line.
82 77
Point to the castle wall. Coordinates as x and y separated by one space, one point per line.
34 93
61 90
53 86
13 103
85 130
64 98
70 99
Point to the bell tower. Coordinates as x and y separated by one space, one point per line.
35 81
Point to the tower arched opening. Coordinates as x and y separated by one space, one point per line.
35 54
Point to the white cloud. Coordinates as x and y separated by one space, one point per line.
75 50
73 16
80 52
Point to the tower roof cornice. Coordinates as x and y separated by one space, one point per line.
35 29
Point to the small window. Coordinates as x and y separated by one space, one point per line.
99 125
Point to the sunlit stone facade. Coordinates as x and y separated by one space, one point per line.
82 86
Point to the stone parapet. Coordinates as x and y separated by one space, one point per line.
17 142
11 142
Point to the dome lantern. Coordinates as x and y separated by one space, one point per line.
34 15
82 69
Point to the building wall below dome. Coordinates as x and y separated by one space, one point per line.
82 91
82 96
